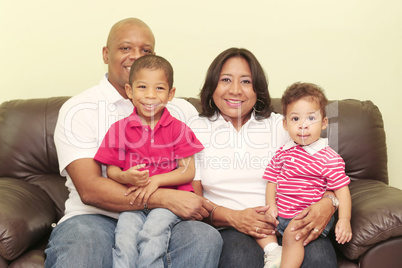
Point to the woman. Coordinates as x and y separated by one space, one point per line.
240 134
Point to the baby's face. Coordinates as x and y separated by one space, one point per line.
304 121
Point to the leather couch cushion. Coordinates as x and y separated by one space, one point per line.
377 216
27 148
26 215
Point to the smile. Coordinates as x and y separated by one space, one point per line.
234 103
149 106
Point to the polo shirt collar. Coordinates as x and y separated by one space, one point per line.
135 120
316 146
221 122
110 92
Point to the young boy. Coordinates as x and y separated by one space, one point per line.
301 172
147 150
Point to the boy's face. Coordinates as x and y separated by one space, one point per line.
127 43
304 121
150 93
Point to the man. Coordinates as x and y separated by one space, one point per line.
84 237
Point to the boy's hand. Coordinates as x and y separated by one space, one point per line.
136 177
272 211
343 231
142 194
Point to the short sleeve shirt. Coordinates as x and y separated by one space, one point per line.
303 173
129 143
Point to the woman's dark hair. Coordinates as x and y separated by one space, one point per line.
262 107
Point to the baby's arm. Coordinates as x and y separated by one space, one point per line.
270 199
343 230
184 173
131 176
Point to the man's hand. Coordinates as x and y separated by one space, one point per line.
186 205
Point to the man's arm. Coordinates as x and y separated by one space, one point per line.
107 194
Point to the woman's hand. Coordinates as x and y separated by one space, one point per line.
253 221
313 220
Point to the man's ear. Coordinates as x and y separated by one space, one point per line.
105 54
285 124
324 123
129 91
172 91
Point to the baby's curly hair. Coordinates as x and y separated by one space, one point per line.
300 90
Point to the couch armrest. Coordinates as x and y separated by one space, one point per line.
376 216
26 215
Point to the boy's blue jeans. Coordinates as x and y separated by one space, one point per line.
142 237
87 241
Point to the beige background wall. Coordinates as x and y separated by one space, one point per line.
351 48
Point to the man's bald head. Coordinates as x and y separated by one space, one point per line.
131 22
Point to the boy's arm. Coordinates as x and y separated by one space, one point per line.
270 199
343 230
115 173
270 194
184 173
345 203
131 176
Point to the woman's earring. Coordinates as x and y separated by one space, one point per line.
254 107
210 103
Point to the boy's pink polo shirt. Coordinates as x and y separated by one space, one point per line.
129 143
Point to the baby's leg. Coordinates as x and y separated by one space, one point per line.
292 250
272 251
263 242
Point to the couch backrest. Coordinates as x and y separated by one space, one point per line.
27 150
355 131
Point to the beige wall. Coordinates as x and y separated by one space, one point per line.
351 48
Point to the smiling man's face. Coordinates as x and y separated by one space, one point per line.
126 43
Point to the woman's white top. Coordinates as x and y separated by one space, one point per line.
232 164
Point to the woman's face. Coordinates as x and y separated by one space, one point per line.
234 95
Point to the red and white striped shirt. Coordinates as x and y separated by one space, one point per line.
303 173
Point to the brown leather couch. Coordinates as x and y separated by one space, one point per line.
32 193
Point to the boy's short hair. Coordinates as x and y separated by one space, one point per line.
152 62
300 90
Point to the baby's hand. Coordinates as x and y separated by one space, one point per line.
343 231
272 211
136 177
